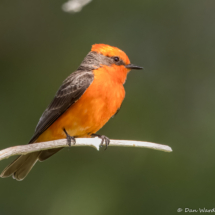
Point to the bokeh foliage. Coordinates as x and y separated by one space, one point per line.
170 102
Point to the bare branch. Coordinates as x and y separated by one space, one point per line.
94 142
74 6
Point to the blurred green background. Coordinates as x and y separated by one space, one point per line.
171 102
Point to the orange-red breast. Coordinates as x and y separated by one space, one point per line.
86 100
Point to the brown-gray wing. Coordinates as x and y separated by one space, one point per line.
70 91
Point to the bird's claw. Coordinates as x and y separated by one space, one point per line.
69 138
105 140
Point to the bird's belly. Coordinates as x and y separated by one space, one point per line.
90 113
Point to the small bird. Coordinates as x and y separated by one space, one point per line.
84 103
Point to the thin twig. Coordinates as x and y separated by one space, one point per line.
74 6
94 142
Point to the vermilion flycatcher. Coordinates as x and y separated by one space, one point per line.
86 100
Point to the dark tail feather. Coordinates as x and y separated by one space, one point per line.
48 153
20 167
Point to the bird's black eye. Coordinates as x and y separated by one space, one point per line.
116 59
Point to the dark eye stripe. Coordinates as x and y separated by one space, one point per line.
118 61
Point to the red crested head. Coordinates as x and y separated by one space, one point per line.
110 51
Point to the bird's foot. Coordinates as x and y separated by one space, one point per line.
105 139
69 138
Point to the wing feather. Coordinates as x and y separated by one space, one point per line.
70 91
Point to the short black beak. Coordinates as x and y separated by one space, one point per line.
132 66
